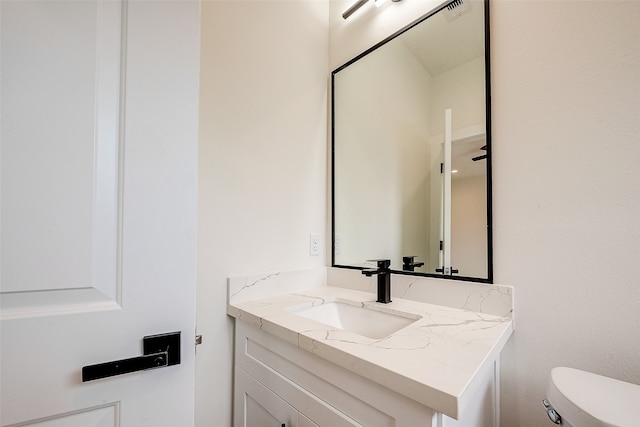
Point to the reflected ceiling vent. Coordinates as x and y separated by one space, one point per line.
456 9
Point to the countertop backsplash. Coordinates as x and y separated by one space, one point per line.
479 297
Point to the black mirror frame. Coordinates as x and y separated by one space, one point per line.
487 54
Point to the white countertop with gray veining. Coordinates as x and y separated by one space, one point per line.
435 360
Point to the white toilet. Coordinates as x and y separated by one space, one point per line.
582 399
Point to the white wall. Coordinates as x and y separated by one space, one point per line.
262 163
469 225
565 105
382 181
566 102
463 90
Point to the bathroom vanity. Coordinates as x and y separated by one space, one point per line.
418 364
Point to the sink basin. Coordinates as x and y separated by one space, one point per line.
355 318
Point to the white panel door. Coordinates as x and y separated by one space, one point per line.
98 183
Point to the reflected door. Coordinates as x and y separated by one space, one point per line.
445 245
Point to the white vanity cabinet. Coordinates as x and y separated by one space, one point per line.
277 383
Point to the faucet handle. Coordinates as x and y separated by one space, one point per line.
383 264
409 263
412 260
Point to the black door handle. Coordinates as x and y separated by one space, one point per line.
158 351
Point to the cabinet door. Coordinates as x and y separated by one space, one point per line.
257 406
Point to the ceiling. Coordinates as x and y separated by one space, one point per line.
444 44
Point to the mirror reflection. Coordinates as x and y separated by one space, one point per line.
411 152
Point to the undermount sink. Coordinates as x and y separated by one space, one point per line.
355 318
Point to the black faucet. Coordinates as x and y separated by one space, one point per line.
409 263
384 279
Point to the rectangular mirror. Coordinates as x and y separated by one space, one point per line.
411 149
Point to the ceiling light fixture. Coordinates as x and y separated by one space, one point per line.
381 2
359 3
351 10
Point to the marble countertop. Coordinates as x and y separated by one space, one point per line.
437 360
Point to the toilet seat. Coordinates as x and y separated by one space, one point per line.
589 400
